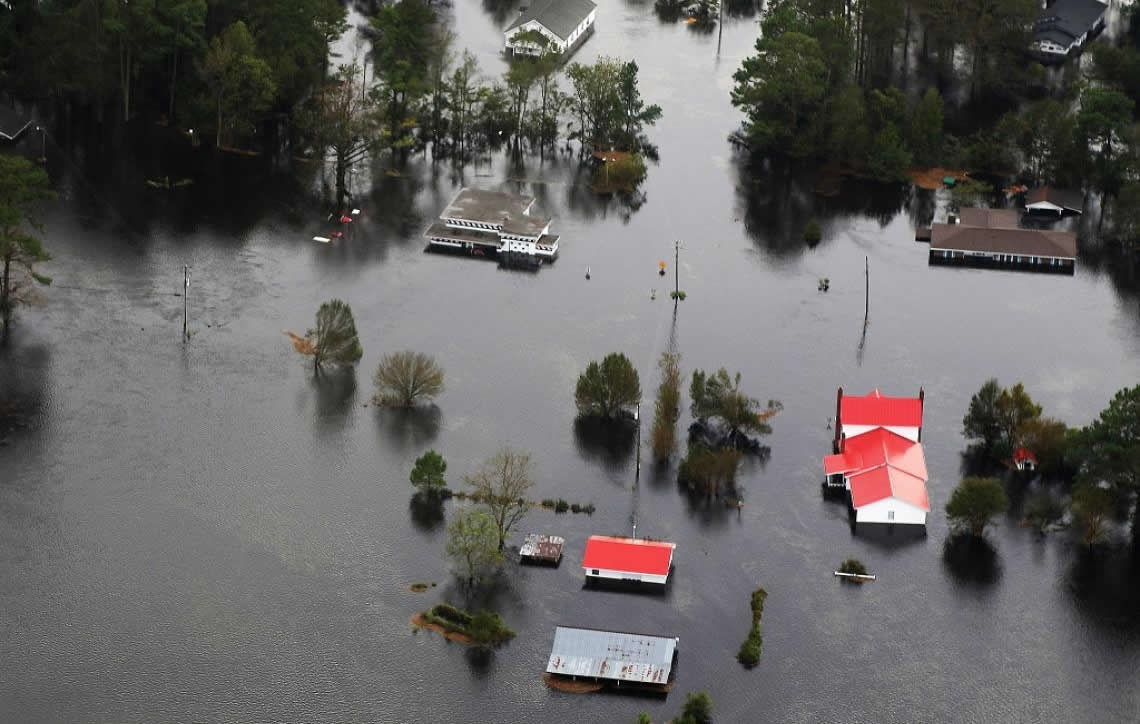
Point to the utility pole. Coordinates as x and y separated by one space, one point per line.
676 271
636 470
185 293
720 26
867 293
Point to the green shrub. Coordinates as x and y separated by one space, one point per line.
679 294
853 566
485 628
749 654
561 506
812 233
547 503
575 508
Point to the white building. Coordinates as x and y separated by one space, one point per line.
631 560
564 24
879 459
1054 201
1065 26
493 221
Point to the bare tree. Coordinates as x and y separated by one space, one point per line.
403 378
502 484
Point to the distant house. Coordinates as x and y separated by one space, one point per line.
992 238
879 458
480 222
1024 459
1065 26
565 24
632 560
1054 200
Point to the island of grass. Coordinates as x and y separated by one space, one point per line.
749 654
854 571
484 629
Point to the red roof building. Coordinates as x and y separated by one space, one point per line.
628 559
879 459
1024 459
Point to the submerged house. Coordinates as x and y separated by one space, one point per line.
992 238
613 658
1054 201
563 24
629 560
879 459
1065 26
480 221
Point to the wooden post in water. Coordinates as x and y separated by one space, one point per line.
867 294
720 26
676 273
185 293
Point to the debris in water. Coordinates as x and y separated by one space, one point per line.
301 344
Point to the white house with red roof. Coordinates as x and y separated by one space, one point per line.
635 560
879 459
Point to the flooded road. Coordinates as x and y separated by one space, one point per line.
202 532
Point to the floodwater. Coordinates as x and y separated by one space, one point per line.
202 532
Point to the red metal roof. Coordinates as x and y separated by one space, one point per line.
634 555
878 409
881 464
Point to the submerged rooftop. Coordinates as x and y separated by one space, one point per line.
612 655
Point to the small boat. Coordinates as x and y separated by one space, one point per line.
587 272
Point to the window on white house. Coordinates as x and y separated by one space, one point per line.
890 515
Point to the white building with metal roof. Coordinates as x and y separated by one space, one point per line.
562 24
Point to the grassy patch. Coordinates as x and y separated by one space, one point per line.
484 628
749 654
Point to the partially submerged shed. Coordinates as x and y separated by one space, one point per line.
542 549
612 657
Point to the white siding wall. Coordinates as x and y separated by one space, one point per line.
891 510
910 433
625 576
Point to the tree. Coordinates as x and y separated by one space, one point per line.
926 129
719 396
22 185
667 408
982 421
634 114
1047 438
520 79
781 89
974 502
643 718
181 23
471 538
334 341
1015 409
403 52
241 83
342 119
607 389
502 484
709 470
427 475
1094 508
464 95
888 159
697 709
1102 121
1127 216
1108 452
404 378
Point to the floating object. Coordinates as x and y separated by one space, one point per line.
356 212
949 181
661 268
345 219
322 239
652 293
587 272
337 234
856 577
824 284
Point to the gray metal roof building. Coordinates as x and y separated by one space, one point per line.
611 655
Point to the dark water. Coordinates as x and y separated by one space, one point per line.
202 533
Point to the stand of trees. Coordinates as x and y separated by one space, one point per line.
22 185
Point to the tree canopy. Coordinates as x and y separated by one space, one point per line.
974 503
405 378
719 396
1108 452
334 340
608 389
472 540
428 474
502 484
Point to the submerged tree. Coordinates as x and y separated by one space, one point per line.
709 471
719 396
342 119
471 544
502 484
22 185
974 502
1108 452
334 340
697 709
606 390
428 474
404 378
1094 508
667 408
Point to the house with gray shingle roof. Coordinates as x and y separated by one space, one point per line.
1065 26
562 24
